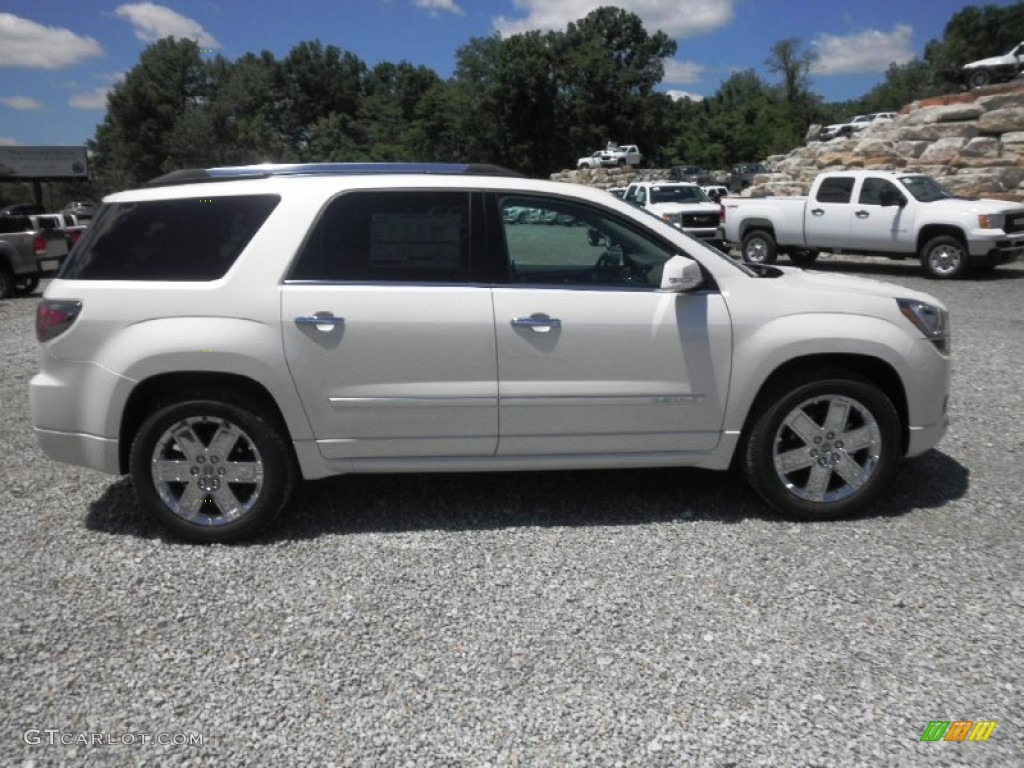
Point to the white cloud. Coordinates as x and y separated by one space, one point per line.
94 99
678 95
8 142
865 52
676 18
22 103
25 43
440 5
151 22
682 72
97 97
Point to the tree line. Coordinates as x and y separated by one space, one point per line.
533 102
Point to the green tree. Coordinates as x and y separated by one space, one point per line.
131 144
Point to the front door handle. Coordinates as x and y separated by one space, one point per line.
862 214
818 211
537 323
322 321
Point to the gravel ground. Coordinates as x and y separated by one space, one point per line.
634 618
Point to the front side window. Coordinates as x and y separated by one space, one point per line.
873 189
835 189
190 239
407 236
561 242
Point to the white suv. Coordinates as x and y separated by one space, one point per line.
220 334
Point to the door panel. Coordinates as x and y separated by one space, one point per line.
410 371
623 371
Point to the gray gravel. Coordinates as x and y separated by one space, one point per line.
634 618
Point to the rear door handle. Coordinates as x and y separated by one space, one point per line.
322 321
537 323
818 211
862 214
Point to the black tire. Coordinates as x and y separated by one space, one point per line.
979 78
825 480
759 247
944 258
6 282
622 162
801 258
216 509
25 285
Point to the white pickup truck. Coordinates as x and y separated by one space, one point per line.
680 203
882 213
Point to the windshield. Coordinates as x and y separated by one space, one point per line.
678 195
925 189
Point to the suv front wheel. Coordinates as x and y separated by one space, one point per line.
823 446
210 468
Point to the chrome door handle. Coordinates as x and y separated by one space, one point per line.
537 323
862 214
818 211
318 319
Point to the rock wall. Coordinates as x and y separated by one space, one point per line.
972 143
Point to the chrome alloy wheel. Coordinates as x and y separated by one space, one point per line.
207 470
826 448
756 250
946 260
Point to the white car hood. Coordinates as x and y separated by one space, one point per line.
994 61
830 283
984 205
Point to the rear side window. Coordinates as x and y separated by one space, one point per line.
193 239
408 236
835 189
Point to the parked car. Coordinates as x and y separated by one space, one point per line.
319 320
27 254
83 210
681 204
996 69
887 213
691 173
595 160
742 175
619 192
66 223
22 209
628 154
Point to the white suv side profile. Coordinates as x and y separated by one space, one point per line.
221 334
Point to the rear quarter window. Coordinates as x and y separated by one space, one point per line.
191 239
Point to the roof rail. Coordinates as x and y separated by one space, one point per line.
229 173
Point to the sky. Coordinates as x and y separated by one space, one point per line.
58 59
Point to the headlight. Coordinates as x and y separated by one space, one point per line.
991 220
932 321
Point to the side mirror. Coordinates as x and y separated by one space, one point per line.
891 197
681 274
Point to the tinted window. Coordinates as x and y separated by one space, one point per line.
191 239
404 236
564 243
871 192
835 189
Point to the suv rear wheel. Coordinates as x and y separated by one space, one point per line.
824 445
211 468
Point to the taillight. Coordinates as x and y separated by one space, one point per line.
39 245
721 214
73 238
53 317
